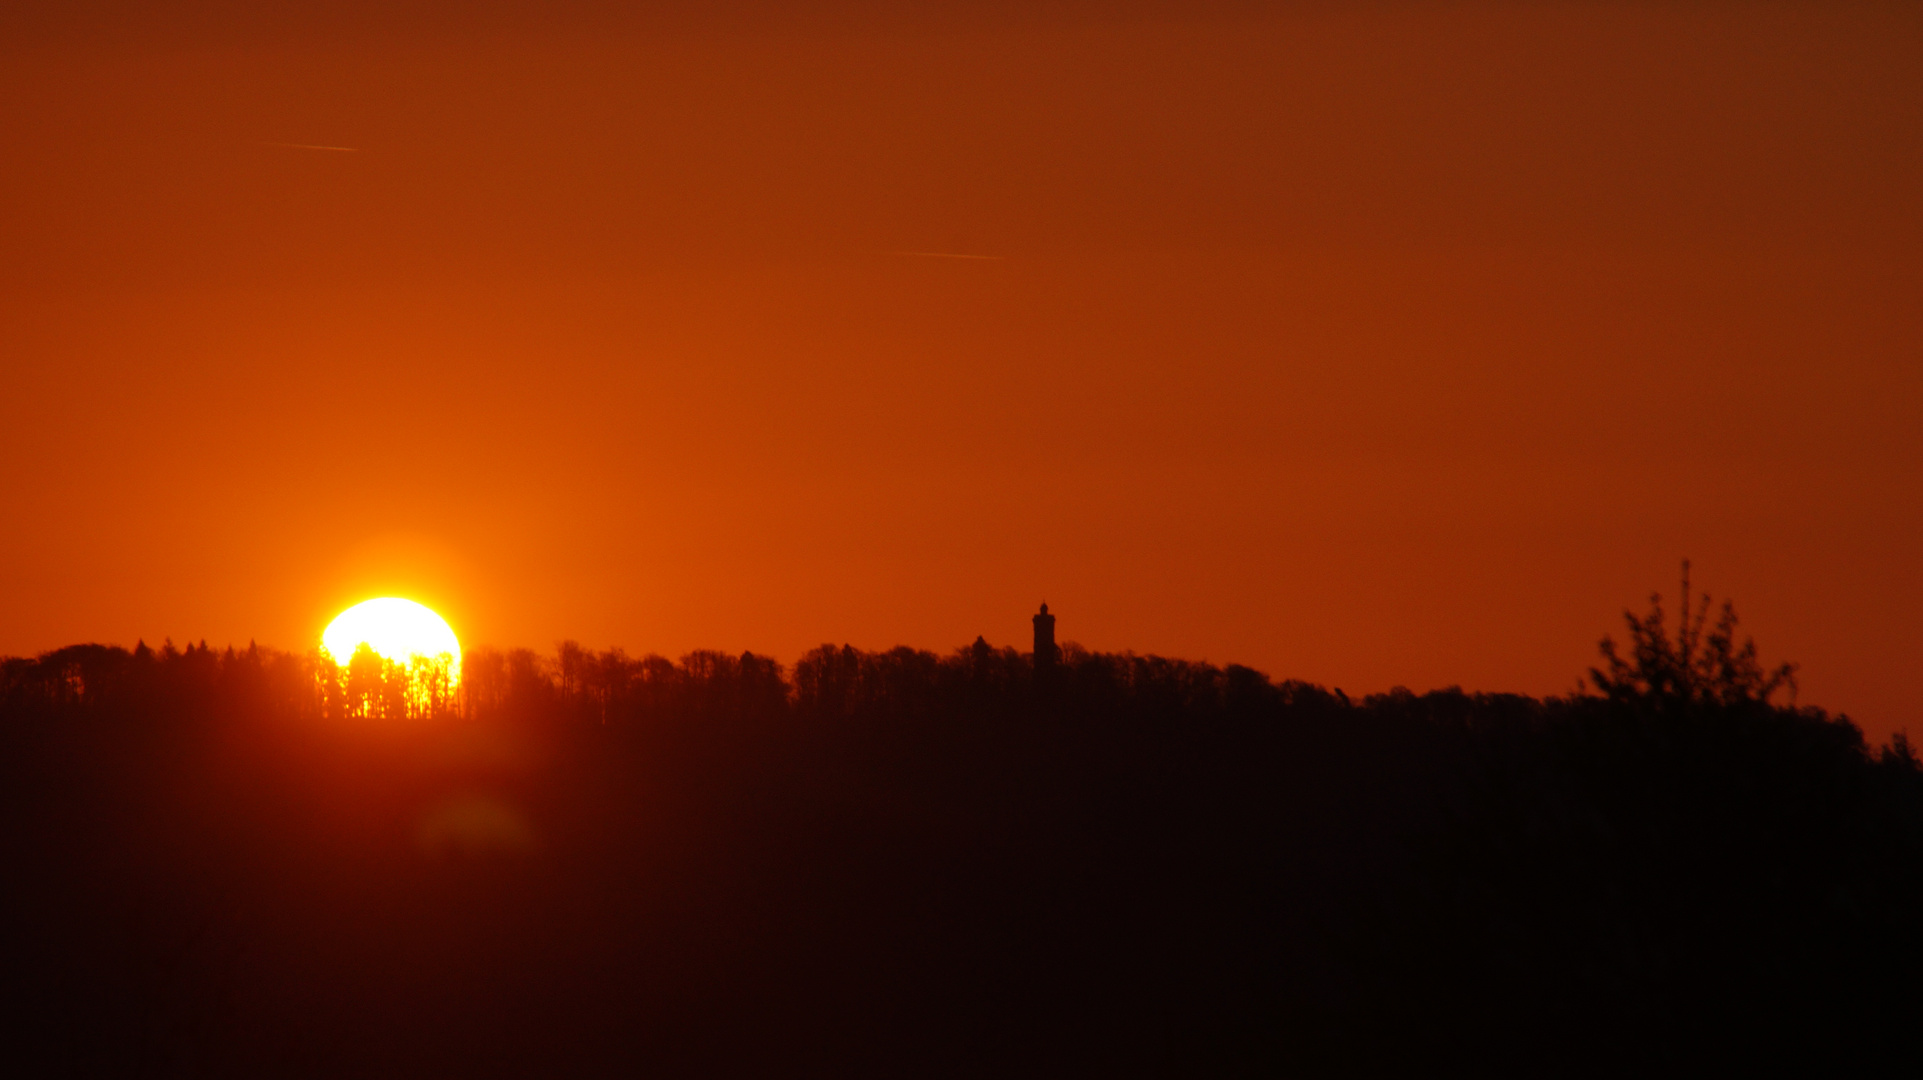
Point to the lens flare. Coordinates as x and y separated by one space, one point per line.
398 630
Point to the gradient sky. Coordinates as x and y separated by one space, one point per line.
1372 345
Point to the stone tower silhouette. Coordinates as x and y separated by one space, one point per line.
1045 654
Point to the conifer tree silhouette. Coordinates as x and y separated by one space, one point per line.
1701 666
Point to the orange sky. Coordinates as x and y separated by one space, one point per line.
1370 345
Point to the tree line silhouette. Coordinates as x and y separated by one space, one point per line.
226 862
611 687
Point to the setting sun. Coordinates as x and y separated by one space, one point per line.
398 630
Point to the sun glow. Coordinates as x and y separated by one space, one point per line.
401 632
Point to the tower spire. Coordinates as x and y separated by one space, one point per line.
1045 651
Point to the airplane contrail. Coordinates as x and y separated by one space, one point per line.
311 146
948 255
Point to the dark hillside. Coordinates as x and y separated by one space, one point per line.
903 864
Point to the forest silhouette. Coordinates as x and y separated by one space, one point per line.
228 862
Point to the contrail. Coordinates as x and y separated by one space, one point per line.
948 255
311 146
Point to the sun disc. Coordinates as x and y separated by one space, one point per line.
397 629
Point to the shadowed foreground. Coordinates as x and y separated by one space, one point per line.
899 864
